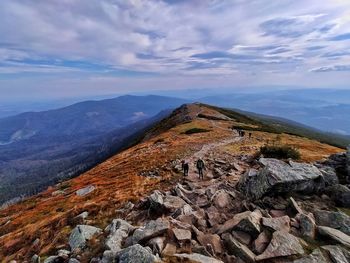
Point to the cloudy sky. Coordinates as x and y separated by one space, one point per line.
84 47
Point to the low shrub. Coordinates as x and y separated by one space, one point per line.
196 130
280 152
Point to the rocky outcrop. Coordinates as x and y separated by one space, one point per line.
118 231
334 234
335 220
340 194
278 177
81 234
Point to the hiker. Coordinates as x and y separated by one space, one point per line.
200 167
250 135
185 167
243 133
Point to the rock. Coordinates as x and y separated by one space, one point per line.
315 257
136 254
157 244
277 213
73 260
35 259
340 194
250 223
279 177
282 245
171 203
119 230
295 206
277 224
329 175
169 250
83 215
181 234
242 237
234 247
54 259
337 254
334 234
261 243
86 190
230 224
221 199
209 240
152 229
156 200
196 258
80 234
307 225
332 219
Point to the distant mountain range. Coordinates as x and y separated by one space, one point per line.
39 148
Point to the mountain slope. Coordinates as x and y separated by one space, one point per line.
50 216
44 147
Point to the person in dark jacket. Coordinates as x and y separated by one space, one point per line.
200 167
185 168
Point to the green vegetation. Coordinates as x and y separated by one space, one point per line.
280 152
196 130
277 125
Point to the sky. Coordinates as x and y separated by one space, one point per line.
63 48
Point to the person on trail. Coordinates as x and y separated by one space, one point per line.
250 135
200 167
243 133
185 167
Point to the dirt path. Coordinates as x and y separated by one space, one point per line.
204 151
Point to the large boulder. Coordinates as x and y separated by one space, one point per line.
307 225
278 177
337 253
335 235
282 245
136 254
152 229
81 234
340 194
332 219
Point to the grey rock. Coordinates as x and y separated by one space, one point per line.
181 234
86 190
52 259
198 258
334 234
315 257
63 253
83 215
172 203
136 254
119 230
282 245
73 260
337 253
340 194
279 177
250 224
260 244
277 224
337 220
230 224
157 244
156 200
152 229
307 225
109 257
234 247
35 259
80 234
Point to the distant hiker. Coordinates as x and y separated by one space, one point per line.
185 167
250 135
200 167
243 133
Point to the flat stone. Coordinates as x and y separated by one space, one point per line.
315 257
86 190
277 213
277 224
221 199
234 247
242 237
282 245
171 203
196 258
80 234
250 224
210 240
230 224
337 253
181 234
332 219
152 229
334 234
